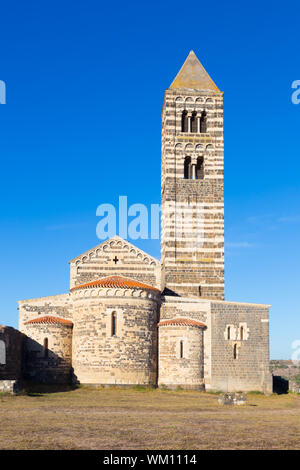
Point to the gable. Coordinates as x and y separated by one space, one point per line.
115 257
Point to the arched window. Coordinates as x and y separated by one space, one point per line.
187 168
228 332
234 351
194 122
2 352
200 168
181 349
46 350
242 333
114 324
184 122
203 122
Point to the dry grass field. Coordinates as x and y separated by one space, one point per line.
147 419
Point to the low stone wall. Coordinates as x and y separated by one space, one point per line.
11 350
9 386
240 347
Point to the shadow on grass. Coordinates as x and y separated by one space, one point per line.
35 389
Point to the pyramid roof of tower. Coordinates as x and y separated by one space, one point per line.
193 75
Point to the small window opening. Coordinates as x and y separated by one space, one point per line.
228 332
181 349
203 122
200 291
200 168
184 121
234 351
46 350
242 333
187 168
194 122
114 324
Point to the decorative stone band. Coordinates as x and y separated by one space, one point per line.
181 322
116 286
49 320
107 293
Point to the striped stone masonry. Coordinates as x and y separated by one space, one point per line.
192 237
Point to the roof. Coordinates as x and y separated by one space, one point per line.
116 281
48 319
181 322
193 75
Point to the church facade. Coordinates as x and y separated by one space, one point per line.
132 319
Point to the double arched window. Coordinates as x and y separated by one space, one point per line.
194 122
193 171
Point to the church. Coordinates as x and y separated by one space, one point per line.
130 318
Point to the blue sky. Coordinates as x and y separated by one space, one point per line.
65 146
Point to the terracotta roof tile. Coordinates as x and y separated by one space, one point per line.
116 281
181 322
49 319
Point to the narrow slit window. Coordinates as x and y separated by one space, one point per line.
234 351
114 324
228 332
242 333
46 350
181 349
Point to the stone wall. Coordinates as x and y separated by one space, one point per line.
115 257
240 347
55 305
53 364
11 349
127 357
196 309
181 357
9 386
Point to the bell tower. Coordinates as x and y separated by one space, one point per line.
192 196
